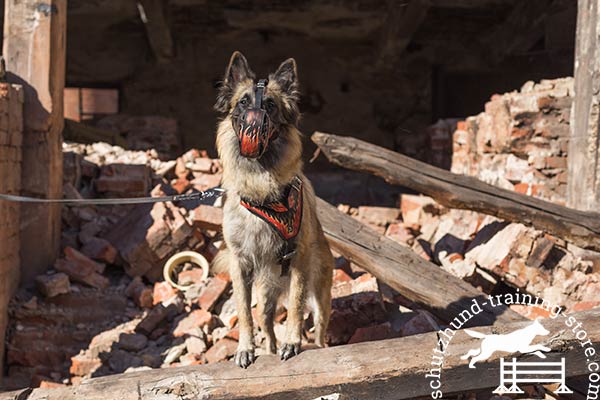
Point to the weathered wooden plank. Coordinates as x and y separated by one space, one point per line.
386 369
153 15
34 49
417 279
465 192
583 190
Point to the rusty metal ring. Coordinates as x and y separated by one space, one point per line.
180 258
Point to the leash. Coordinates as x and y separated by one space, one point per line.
202 197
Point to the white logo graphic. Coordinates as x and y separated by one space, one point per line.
525 372
517 341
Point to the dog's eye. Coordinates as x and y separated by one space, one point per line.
244 101
270 105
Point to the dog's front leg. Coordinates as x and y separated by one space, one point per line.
242 291
295 317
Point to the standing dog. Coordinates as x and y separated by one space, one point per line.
273 238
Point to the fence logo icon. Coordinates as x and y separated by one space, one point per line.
517 341
514 372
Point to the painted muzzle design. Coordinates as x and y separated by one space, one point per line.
255 129
254 133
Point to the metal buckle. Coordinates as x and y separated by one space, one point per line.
296 183
288 256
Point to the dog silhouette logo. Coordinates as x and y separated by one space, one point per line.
517 341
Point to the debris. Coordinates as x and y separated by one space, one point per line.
53 285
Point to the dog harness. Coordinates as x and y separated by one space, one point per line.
284 217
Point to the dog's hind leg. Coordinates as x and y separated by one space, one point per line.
295 318
267 305
242 292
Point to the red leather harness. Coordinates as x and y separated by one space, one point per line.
284 216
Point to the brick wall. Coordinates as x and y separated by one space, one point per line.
520 141
11 131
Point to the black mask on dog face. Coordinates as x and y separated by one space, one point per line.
253 126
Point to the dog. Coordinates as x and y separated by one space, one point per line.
274 242
517 341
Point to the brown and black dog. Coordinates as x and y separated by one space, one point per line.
273 240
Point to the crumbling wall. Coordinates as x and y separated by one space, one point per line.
11 135
520 141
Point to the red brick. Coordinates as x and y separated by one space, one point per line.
208 217
379 216
126 180
221 350
100 249
417 324
162 291
79 273
585 305
195 319
206 181
556 162
140 293
398 232
530 312
82 365
53 285
81 259
370 333
181 185
212 293
340 276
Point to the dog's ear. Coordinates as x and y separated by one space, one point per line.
237 71
287 78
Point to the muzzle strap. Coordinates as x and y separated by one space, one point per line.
260 91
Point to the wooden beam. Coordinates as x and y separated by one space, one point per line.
386 369
403 20
523 27
583 190
415 278
464 192
34 49
152 14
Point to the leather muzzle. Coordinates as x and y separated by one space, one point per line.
254 133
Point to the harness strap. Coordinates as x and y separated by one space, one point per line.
284 216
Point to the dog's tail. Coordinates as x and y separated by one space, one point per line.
475 334
221 262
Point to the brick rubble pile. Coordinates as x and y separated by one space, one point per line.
104 307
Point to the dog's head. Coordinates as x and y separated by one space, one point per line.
259 110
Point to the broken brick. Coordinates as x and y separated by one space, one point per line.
221 350
81 273
140 293
163 291
208 217
195 319
99 249
212 292
370 333
53 285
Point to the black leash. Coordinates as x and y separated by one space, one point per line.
198 196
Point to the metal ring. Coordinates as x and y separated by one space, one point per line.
180 258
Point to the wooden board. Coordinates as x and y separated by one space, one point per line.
415 278
465 192
387 369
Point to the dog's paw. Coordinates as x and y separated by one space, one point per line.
243 358
289 350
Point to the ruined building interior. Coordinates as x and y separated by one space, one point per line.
119 103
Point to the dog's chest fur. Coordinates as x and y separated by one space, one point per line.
249 237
